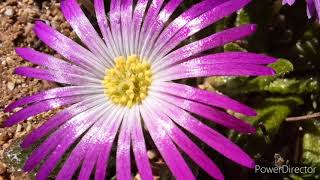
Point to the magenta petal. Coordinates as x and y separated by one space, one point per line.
152 13
149 19
56 76
106 138
77 124
123 166
82 26
139 149
317 7
233 57
185 70
104 26
311 9
158 24
40 107
166 147
183 141
69 137
98 137
210 113
126 24
89 148
42 59
183 19
77 155
203 96
210 42
203 21
290 2
51 62
51 93
56 155
208 135
59 119
115 23
68 48
137 20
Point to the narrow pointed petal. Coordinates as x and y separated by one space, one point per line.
46 60
137 20
139 148
210 42
123 166
149 19
186 145
91 156
166 147
68 48
208 135
53 93
182 20
184 70
84 151
233 57
60 118
69 131
158 24
82 26
78 154
126 23
203 21
290 2
106 141
104 27
311 9
115 24
40 107
56 76
210 113
203 96
317 7
64 143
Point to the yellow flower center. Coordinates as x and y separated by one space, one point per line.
128 81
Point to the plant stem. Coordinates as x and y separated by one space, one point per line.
305 117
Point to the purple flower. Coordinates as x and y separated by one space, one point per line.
123 83
313 7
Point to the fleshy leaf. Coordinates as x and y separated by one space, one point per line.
311 146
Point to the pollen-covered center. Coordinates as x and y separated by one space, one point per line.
128 81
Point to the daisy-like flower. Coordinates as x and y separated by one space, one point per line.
123 83
313 7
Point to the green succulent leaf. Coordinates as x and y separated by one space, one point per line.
243 17
311 146
233 47
273 112
282 67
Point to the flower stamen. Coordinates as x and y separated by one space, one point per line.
127 83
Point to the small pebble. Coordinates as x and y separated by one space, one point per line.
3 137
137 177
3 168
9 12
151 154
10 86
28 28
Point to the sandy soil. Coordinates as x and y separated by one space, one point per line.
16 22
